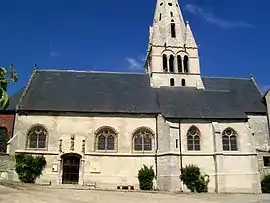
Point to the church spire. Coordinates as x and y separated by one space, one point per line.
172 56
168 26
189 38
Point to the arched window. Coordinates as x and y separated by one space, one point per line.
143 140
229 140
3 139
106 139
183 82
193 139
165 63
186 64
172 82
173 32
171 63
37 138
179 64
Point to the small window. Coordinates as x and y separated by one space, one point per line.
176 143
183 82
3 139
143 140
171 63
161 4
171 14
229 140
179 64
160 15
172 82
165 63
37 138
266 161
173 32
106 139
170 4
186 64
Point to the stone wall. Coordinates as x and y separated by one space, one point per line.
264 170
106 169
5 167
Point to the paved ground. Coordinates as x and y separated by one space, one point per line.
46 195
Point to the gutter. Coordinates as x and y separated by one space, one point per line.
156 151
180 151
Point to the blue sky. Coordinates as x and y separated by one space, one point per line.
112 35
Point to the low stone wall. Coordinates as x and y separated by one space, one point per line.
5 167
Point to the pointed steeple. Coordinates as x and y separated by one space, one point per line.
189 38
168 25
172 55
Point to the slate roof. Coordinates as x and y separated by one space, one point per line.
223 98
97 92
101 92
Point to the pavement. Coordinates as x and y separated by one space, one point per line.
38 194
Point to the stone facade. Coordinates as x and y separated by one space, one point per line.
215 162
107 170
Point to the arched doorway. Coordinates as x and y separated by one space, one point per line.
71 168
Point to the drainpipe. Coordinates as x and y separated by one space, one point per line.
156 146
180 151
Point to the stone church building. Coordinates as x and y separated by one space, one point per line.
100 128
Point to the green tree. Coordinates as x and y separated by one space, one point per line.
194 180
6 76
146 176
265 184
29 167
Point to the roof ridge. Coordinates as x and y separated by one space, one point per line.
89 71
25 89
231 78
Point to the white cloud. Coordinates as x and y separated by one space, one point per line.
135 64
211 18
53 53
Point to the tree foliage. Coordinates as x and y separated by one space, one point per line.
28 167
146 176
265 184
194 180
6 76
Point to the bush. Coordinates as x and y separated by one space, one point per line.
28 167
146 176
265 184
194 180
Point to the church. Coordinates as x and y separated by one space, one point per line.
100 128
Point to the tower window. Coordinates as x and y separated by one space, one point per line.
171 63
172 82
186 64
173 32
161 4
171 14
183 82
170 4
165 64
179 64
160 16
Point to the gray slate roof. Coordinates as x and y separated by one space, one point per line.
101 92
223 98
89 92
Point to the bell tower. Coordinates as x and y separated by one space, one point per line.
172 55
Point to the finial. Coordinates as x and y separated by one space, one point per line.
187 22
250 75
35 67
